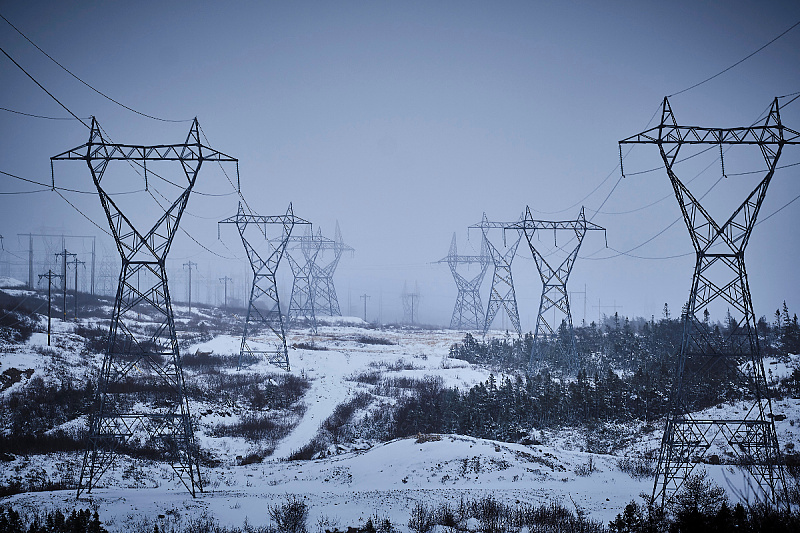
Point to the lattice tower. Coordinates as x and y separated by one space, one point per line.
554 281
264 309
709 357
502 294
468 310
147 356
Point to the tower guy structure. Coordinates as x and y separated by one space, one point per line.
554 280
264 309
323 290
468 311
708 356
149 356
502 294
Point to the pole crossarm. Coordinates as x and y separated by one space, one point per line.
713 356
554 278
264 307
150 355
502 294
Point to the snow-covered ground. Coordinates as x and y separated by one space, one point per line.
379 479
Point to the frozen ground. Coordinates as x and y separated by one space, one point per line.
383 480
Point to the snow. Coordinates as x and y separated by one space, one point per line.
383 479
10 283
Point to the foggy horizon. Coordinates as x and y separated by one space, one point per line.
404 124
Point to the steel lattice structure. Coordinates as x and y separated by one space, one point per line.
554 280
264 308
502 294
301 302
151 352
468 311
323 289
719 276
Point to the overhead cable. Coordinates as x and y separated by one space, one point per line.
85 83
42 87
737 63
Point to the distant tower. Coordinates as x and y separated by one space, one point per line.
302 256
554 280
468 311
264 307
323 289
708 356
502 294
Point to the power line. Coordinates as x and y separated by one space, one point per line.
83 82
42 87
737 63
36 116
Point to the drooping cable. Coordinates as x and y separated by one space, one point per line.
85 83
37 116
42 88
737 63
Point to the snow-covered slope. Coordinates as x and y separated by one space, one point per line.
379 479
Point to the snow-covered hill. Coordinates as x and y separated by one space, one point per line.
365 478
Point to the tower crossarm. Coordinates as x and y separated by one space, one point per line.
98 149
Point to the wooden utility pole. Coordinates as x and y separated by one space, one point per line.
191 264
75 262
50 275
63 255
365 297
225 280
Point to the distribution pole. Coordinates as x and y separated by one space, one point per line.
63 276
365 297
50 275
225 280
190 264
76 263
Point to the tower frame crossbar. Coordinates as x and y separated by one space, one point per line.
719 276
132 350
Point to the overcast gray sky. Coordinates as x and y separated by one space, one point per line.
406 121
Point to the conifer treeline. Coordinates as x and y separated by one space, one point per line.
624 372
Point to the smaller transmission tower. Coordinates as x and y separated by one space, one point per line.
225 280
502 294
468 311
554 280
264 308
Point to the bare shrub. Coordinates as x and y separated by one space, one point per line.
291 516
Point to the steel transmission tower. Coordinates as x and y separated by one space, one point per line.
149 355
468 311
502 294
323 289
554 280
719 277
301 302
264 307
